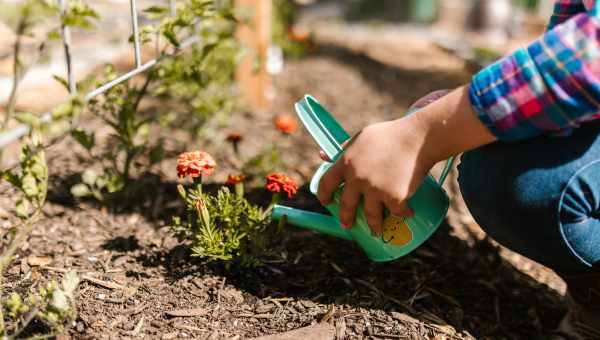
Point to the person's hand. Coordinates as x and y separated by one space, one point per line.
384 164
421 103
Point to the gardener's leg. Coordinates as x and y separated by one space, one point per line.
541 198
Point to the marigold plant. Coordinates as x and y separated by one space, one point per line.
224 227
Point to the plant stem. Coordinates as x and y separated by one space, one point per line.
128 159
12 99
41 337
239 189
142 92
274 200
26 323
15 244
24 230
198 182
130 154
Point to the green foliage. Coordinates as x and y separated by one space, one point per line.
79 15
31 179
486 55
51 303
529 4
200 79
128 140
24 16
223 228
284 17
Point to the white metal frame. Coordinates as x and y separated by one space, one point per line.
12 135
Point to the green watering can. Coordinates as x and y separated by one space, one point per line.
400 235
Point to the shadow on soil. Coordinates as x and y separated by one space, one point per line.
471 288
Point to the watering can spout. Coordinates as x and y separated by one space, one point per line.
309 220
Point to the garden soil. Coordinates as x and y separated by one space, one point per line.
138 282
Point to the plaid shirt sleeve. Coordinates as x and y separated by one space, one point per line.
548 87
565 9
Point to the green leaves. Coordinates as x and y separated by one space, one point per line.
29 185
15 305
31 179
22 208
81 190
79 15
24 15
69 284
50 303
171 36
87 140
225 227
63 299
155 12
70 109
59 301
29 119
96 185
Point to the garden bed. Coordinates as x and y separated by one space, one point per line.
138 281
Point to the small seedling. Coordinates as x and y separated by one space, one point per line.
51 303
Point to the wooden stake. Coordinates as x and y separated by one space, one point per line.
254 82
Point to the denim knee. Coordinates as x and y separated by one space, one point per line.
579 214
545 213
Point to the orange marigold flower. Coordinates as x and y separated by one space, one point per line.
298 35
286 123
278 182
235 179
195 164
234 137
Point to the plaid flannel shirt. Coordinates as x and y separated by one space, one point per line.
548 87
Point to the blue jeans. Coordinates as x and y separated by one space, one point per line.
540 197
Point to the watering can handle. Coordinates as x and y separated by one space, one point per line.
446 170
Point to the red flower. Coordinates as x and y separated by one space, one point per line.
235 179
234 137
195 164
278 182
286 123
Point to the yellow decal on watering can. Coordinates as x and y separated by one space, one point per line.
396 231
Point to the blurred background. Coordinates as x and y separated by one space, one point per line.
477 31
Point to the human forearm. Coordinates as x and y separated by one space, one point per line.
450 126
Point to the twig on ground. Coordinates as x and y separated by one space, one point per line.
138 327
391 336
105 284
329 314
